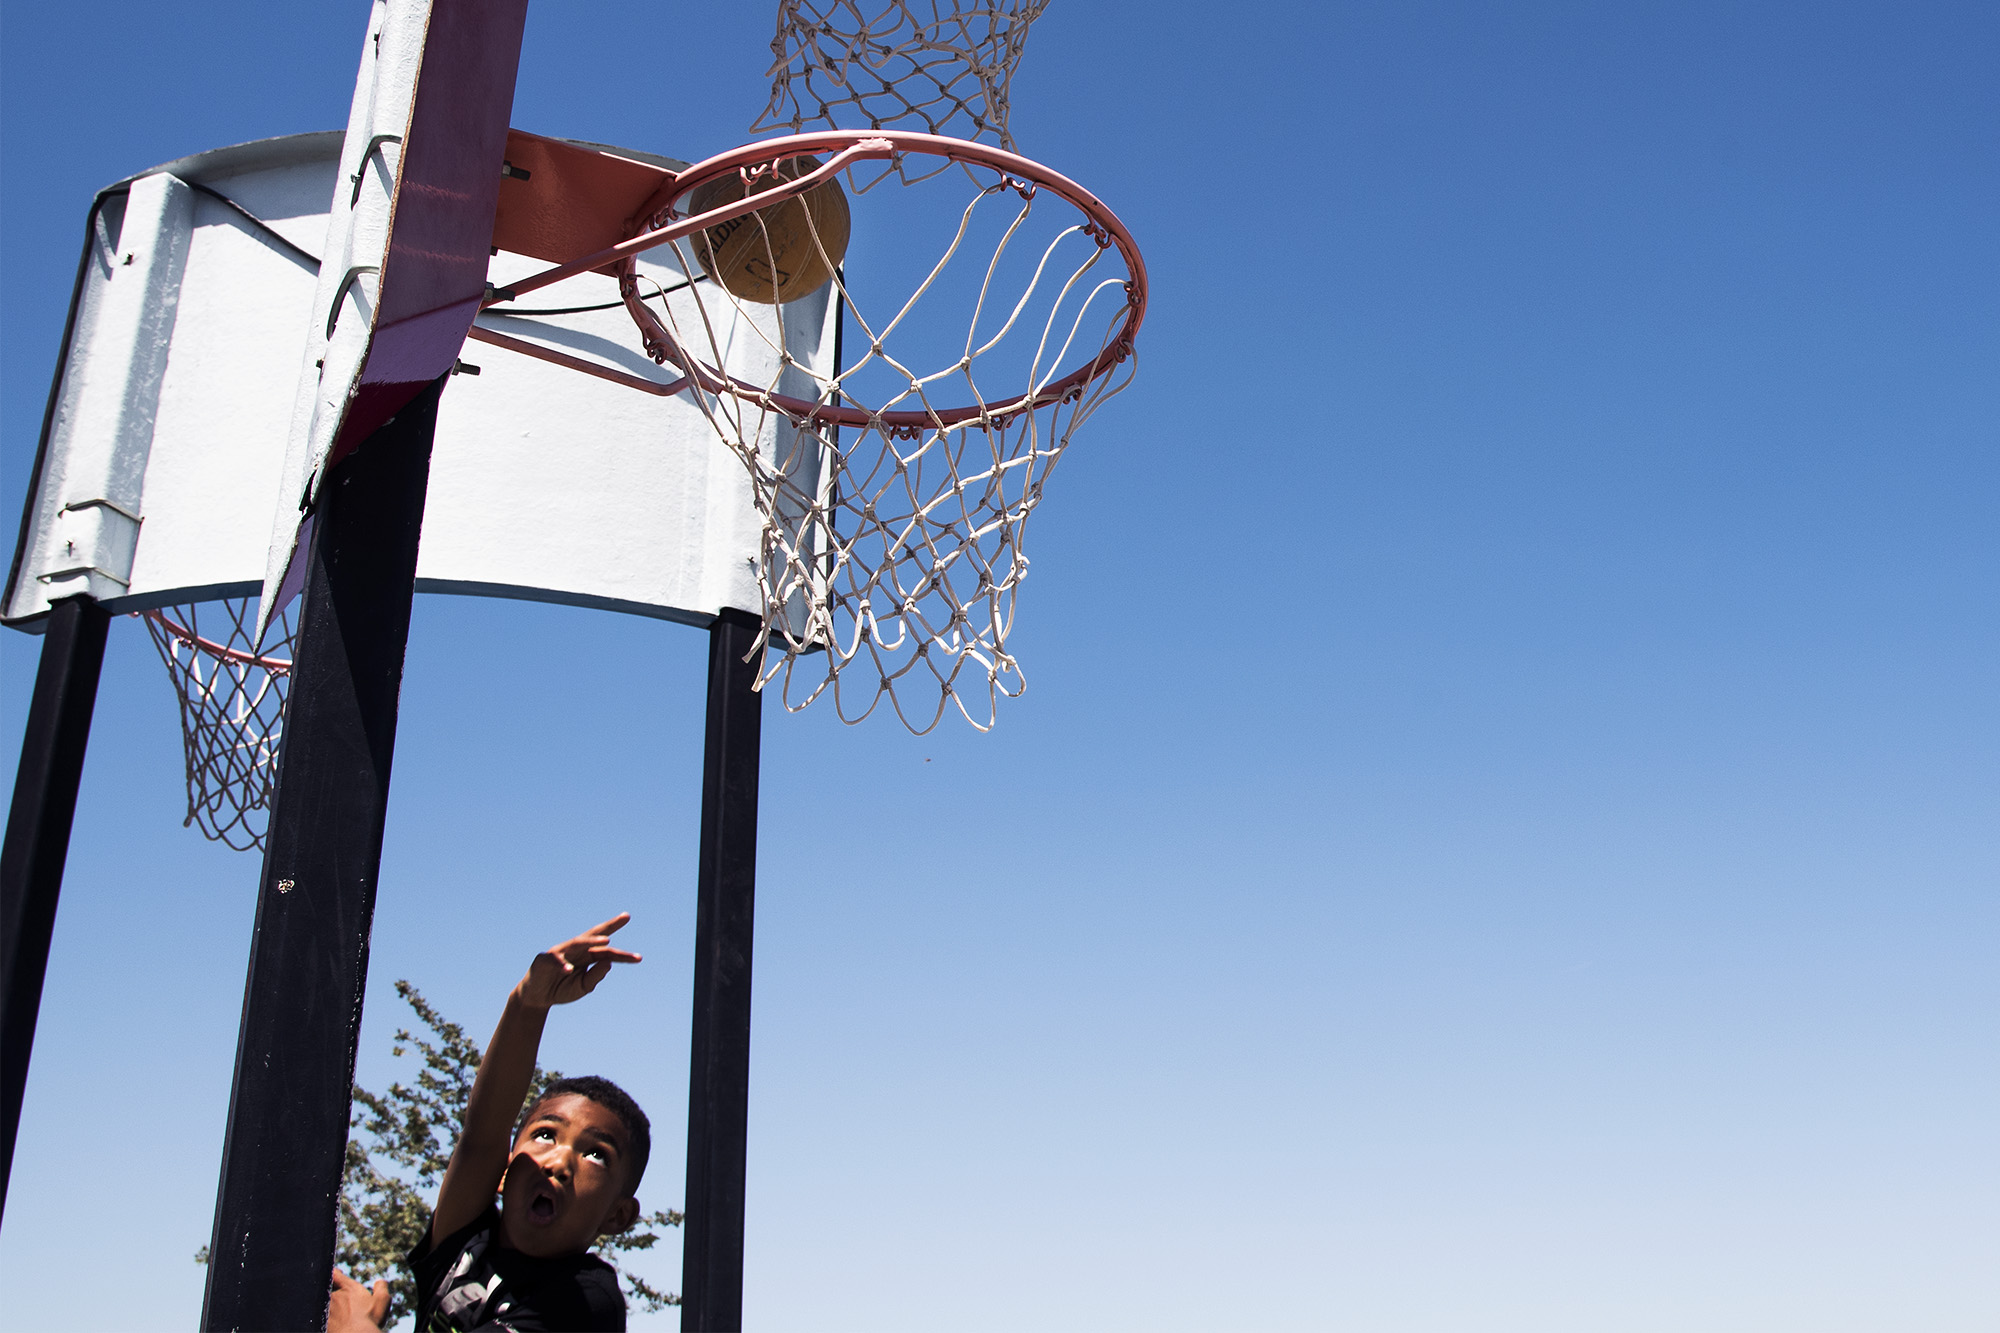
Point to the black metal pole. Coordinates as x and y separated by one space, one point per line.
31 865
271 1254
719 1072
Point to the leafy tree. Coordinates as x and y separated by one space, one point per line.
410 1131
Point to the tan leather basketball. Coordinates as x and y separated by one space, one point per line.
801 238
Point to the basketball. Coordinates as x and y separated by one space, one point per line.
782 251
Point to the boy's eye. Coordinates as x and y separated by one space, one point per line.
544 1135
595 1154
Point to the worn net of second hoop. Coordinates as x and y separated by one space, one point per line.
232 695
893 549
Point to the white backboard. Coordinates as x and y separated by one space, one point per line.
160 476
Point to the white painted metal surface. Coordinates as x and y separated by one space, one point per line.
161 477
102 431
357 235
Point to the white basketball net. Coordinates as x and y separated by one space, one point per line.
892 552
232 711
941 67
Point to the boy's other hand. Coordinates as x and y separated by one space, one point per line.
573 968
354 1308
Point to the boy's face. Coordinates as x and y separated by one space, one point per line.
565 1185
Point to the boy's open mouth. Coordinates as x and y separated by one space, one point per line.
542 1208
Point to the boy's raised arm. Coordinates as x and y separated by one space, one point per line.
565 973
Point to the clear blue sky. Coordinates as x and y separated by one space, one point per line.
1502 832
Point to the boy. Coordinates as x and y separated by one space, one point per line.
565 1176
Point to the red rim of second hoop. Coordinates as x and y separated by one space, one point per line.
277 666
1110 231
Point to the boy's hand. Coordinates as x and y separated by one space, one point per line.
354 1308
573 968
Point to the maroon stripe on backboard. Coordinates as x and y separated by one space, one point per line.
441 223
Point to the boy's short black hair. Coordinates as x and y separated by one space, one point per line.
638 1129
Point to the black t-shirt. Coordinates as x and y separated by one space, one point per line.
469 1282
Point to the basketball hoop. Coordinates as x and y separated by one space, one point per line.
232 714
894 491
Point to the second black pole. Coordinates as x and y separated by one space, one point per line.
719 1062
38 824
